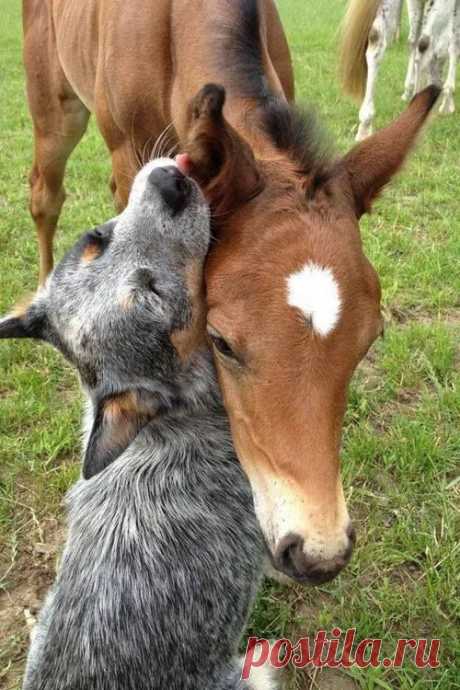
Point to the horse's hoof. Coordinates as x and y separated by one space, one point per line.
364 131
447 106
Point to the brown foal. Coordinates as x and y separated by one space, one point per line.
293 303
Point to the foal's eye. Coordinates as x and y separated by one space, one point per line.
221 345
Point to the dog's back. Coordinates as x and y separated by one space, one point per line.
159 571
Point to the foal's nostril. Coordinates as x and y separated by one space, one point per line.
289 557
173 186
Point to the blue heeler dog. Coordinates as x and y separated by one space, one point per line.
163 555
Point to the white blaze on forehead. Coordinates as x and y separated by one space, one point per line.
314 291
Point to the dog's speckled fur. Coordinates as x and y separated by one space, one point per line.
164 554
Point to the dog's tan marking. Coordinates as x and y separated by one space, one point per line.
21 307
126 414
190 339
90 252
120 406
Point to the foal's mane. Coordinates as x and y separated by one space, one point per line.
292 129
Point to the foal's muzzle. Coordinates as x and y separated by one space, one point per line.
174 187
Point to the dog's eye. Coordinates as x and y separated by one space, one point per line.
99 237
152 285
100 234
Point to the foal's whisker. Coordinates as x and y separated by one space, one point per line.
145 157
159 141
164 144
136 160
172 150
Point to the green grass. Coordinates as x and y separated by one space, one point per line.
401 443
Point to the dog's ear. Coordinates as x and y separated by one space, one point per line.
27 320
118 420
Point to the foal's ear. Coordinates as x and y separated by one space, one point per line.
220 159
372 163
119 418
28 320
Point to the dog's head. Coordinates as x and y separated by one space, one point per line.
126 307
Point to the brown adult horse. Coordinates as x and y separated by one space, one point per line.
293 302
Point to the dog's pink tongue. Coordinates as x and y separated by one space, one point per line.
184 163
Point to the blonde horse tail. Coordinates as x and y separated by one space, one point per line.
355 29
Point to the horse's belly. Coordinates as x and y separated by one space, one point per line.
77 45
134 66
116 58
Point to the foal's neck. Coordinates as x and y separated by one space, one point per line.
244 117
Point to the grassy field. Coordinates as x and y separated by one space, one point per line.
401 444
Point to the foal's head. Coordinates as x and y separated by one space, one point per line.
293 306
126 307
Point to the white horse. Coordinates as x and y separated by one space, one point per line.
371 25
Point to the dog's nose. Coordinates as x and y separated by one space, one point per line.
291 559
173 186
